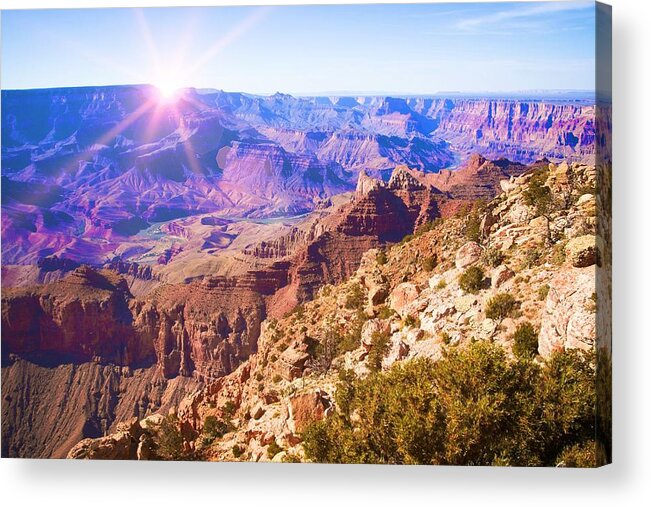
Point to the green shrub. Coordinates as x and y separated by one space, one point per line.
213 429
298 312
472 228
355 297
384 312
543 290
492 257
525 341
411 321
381 258
379 347
237 451
406 239
537 194
441 285
169 440
429 263
273 449
445 337
581 455
290 457
424 228
276 378
229 409
472 279
353 334
500 306
472 407
533 256
558 253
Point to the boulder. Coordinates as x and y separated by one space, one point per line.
307 408
404 294
258 410
464 303
467 255
121 445
377 295
293 361
587 203
582 251
500 275
371 327
487 222
568 319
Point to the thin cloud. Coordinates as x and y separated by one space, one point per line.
521 12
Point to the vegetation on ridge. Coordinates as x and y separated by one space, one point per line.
473 407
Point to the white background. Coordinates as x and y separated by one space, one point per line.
626 482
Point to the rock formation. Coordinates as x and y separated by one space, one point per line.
286 385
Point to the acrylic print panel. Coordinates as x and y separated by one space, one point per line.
335 233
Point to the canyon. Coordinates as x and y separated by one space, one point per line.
148 244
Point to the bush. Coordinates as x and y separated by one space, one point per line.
500 306
299 311
429 263
276 378
543 290
381 258
379 347
229 409
472 407
237 451
525 340
492 257
537 194
273 449
355 297
578 456
472 279
213 429
472 228
353 335
411 321
169 440
558 253
426 227
406 239
441 285
533 256
384 312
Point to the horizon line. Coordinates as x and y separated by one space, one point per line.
327 93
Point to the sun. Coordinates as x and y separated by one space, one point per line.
167 88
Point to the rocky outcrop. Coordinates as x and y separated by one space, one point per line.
291 379
467 255
86 316
307 408
500 276
569 319
582 251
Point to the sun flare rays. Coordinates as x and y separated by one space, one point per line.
169 74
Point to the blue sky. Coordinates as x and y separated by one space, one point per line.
408 49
